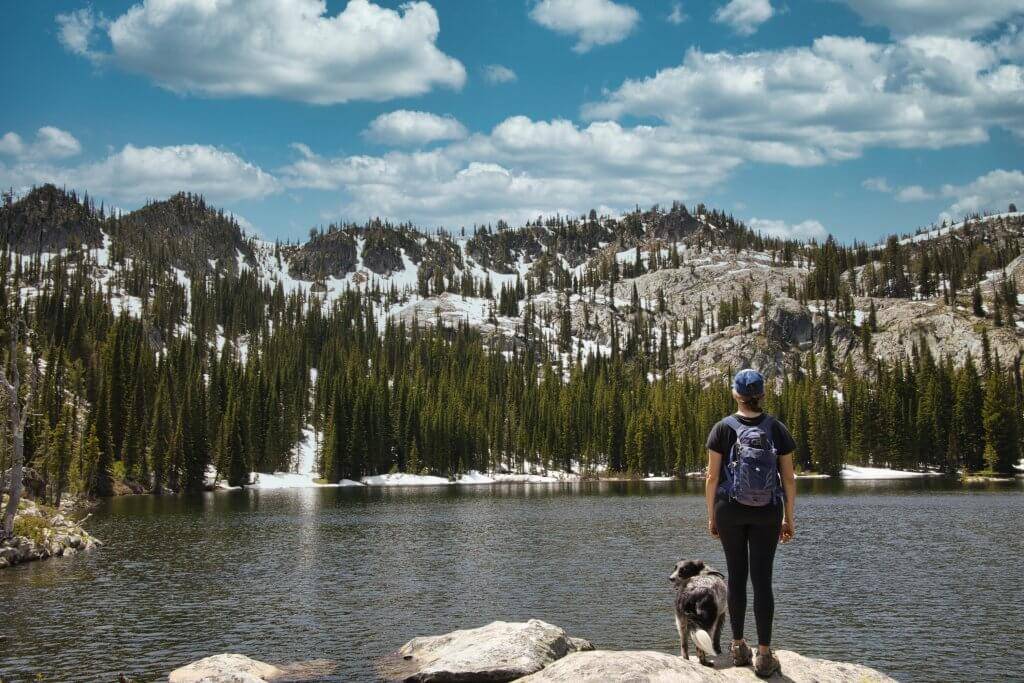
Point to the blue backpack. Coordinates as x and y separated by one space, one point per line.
752 473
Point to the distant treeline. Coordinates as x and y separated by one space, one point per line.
140 401
218 369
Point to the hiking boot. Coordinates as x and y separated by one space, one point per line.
741 653
767 664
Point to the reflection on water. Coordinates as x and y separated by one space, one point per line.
891 574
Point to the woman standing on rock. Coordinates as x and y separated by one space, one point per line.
750 491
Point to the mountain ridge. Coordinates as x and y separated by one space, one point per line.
703 280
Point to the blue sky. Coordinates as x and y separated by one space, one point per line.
856 117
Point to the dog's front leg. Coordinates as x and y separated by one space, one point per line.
683 634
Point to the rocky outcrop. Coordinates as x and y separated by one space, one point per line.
542 653
608 665
330 254
788 324
500 651
382 259
235 668
945 331
533 651
41 533
647 666
226 668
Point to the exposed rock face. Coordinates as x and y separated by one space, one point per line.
657 667
901 323
500 651
225 668
788 324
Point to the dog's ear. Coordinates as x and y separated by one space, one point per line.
687 568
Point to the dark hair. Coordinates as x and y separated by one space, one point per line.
752 402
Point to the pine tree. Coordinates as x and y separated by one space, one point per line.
967 417
976 303
99 482
1002 449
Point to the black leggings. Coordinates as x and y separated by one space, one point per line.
749 532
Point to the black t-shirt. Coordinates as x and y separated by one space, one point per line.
722 437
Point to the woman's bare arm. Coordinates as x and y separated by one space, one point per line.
788 475
711 486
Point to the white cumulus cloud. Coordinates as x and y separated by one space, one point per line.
745 16
404 127
829 101
134 174
496 73
290 49
994 191
49 143
521 169
913 193
805 231
76 29
957 17
592 22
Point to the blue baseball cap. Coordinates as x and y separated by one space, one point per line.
748 382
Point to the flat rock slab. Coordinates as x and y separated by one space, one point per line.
640 666
633 666
226 668
500 651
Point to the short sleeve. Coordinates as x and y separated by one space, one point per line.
784 443
718 439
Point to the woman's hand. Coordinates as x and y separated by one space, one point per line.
788 531
712 527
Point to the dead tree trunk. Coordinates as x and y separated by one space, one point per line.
17 417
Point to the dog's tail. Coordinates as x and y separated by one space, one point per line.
703 640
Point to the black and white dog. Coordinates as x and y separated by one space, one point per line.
701 606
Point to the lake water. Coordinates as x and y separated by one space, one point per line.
921 579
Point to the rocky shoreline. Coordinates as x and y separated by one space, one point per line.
533 651
41 532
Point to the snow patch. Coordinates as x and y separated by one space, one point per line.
403 479
550 478
474 477
855 472
285 480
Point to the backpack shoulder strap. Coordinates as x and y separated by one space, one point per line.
768 427
734 423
